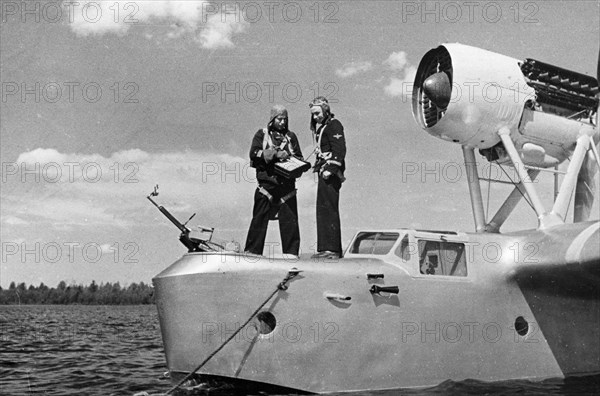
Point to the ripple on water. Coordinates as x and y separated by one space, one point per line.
117 350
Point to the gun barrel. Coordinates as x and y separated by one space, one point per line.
169 216
192 244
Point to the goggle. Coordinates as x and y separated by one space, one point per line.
318 102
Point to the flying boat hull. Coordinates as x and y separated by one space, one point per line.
520 306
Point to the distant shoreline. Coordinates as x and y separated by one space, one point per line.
92 294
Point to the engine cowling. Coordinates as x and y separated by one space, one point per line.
465 95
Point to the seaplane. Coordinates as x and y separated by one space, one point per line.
409 308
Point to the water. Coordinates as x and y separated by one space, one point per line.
117 350
76 349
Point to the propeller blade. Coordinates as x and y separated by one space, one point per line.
584 190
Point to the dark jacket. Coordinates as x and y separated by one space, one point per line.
332 141
263 160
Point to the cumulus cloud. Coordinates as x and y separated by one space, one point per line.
218 33
211 26
13 220
396 60
46 186
399 86
352 68
96 17
41 156
400 83
52 191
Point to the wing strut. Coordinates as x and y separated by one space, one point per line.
561 205
509 204
474 188
545 220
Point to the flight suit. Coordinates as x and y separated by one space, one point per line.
275 194
331 153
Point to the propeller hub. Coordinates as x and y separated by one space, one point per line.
438 89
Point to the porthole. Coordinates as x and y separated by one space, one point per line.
266 322
521 326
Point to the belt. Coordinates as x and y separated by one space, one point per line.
282 200
333 162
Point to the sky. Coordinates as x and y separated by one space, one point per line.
103 100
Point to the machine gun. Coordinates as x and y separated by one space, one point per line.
192 244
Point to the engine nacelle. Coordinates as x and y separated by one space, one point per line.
465 95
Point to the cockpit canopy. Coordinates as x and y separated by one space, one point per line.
418 252
378 242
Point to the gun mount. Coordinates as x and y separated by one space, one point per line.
192 244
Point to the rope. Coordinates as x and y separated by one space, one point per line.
487 209
517 187
281 286
311 153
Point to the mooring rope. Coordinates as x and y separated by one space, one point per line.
281 286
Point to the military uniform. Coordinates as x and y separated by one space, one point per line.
275 194
330 165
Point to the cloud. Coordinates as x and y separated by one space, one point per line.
401 81
106 248
218 33
399 86
97 17
212 27
352 68
13 220
54 189
396 60
42 156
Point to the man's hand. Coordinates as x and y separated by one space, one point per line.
282 155
326 174
268 155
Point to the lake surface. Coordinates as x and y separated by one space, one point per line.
117 350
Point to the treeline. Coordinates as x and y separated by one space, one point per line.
93 294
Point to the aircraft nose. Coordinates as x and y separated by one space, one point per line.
438 89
